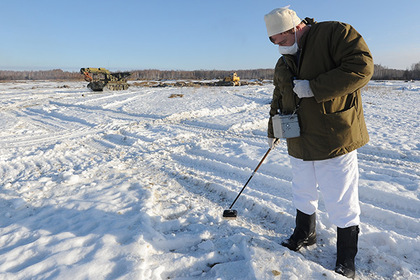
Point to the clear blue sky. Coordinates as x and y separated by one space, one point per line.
186 34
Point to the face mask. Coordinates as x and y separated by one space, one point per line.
289 49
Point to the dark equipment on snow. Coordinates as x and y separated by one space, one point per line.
99 78
232 214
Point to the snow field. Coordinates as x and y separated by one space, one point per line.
132 185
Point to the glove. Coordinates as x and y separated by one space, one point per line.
273 142
302 89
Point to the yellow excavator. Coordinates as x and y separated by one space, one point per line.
99 78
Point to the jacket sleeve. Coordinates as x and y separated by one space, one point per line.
277 99
354 65
273 109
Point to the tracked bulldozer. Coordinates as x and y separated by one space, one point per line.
230 80
99 78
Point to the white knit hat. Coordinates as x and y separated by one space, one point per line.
280 20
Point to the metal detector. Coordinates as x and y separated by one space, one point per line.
231 214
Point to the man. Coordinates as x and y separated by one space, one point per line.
323 67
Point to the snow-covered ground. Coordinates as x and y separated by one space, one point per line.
132 185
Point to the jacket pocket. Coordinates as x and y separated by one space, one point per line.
343 128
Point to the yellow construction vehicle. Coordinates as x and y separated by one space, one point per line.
231 80
99 78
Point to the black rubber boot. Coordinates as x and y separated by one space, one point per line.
346 250
304 233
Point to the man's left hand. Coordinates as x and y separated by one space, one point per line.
302 89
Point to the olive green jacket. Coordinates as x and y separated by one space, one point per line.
337 62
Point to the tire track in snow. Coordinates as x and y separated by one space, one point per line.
192 159
188 222
55 127
233 172
170 213
209 134
218 235
174 162
394 165
396 175
392 207
390 220
216 175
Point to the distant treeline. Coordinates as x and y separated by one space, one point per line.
262 74
381 73
150 74
56 74
384 73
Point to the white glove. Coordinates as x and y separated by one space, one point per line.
273 142
302 89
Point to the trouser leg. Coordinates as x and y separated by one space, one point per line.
304 186
338 180
305 199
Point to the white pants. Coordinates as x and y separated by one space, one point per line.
337 180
